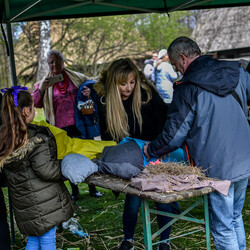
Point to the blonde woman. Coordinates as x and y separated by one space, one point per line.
129 105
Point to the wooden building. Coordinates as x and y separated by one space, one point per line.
224 32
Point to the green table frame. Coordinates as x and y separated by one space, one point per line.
120 185
149 237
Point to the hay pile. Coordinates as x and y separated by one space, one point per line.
175 168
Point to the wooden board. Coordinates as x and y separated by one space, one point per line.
120 185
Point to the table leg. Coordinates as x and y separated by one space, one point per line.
207 221
146 225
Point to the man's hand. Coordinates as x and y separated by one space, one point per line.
164 157
145 150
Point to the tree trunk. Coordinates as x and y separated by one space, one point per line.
44 47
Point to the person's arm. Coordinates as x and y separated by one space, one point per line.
79 119
171 72
44 160
38 93
37 96
179 121
153 76
148 70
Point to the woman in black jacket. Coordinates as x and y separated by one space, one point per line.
28 157
131 106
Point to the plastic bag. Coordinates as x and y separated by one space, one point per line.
74 227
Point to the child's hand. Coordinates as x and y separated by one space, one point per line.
86 91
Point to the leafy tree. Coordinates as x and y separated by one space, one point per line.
96 41
159 30
27 52
4 64
5 80
89 43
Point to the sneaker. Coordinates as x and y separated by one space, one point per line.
163 246
126 245
96 194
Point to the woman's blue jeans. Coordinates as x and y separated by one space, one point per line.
226 222
44 242
130 214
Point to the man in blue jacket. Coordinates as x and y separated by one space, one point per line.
207 118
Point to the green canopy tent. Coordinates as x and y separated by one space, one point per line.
27 10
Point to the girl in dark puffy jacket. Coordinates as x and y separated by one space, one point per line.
28 156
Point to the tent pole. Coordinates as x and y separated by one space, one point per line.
10 43
11 55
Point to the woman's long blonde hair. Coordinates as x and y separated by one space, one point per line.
13 133
116 116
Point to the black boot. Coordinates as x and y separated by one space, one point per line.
75 191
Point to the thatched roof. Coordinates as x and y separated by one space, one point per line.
223 29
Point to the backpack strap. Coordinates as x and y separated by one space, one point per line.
235 95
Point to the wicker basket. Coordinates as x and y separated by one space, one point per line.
88 108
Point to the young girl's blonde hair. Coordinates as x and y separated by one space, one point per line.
116 116
13 134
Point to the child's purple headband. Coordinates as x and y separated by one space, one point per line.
15 92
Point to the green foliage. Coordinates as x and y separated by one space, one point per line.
4 64
39 115
92 42
159 30
88 44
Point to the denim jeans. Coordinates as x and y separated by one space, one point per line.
130 214
226 222
44 242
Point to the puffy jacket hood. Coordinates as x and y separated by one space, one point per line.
34 139
218 77
20 154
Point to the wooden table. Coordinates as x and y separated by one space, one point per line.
121 185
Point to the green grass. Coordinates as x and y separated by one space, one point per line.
101 218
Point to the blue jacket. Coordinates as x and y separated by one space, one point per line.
164 76
88 125
207 121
